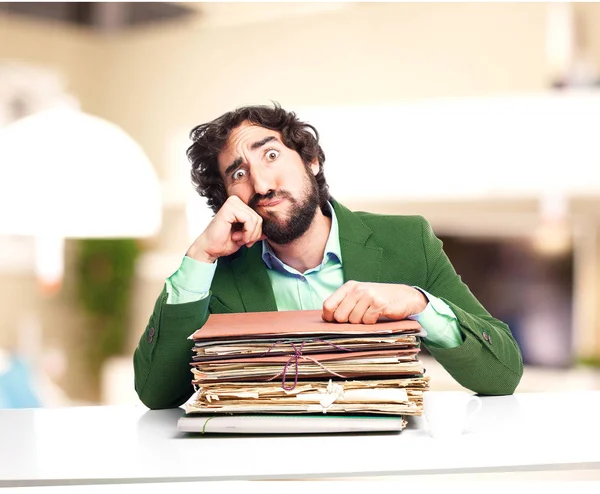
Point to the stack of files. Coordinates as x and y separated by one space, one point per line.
292 372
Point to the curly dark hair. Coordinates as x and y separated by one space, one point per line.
210 138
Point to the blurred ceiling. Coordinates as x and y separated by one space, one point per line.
228 14
115 17
102 16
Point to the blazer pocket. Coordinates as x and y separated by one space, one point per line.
217 307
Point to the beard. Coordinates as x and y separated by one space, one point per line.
301 215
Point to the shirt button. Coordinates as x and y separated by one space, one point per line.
485 336
150 335
303 278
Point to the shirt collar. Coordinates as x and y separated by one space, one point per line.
332 247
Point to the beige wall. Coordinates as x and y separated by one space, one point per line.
588 18
77 54
168 81
158 83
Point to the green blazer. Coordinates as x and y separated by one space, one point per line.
375 248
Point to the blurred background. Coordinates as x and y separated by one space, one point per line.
481 117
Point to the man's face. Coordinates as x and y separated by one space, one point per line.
272 179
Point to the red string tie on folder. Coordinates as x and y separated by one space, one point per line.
297 356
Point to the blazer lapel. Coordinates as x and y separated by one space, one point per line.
361 257
252 280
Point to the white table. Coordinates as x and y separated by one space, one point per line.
531 432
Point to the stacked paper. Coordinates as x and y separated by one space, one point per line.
295 363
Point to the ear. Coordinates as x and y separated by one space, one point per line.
314 166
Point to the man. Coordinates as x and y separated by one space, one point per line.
279 241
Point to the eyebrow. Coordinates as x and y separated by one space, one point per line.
262 142
231 168
255 145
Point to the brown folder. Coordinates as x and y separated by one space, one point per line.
301 322
318 356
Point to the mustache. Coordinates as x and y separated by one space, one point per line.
272 194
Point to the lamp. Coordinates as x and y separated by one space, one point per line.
68 174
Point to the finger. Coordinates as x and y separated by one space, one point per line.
249 228
372 314
233 219
251 224
253 233
332 302
242 222
243 207
345 308
257 235
260 238
257 232
236 211
331 305
358 312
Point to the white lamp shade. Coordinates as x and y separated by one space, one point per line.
69 174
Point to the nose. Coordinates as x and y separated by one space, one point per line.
262 180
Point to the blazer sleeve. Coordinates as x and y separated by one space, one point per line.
162 358
489 360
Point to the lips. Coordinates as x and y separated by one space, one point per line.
271 203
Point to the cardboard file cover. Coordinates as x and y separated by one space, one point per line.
300 322
289 424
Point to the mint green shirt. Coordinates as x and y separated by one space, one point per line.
307 291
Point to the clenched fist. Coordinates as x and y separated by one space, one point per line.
357 302
235 225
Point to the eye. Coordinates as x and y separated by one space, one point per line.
238 174
272 154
